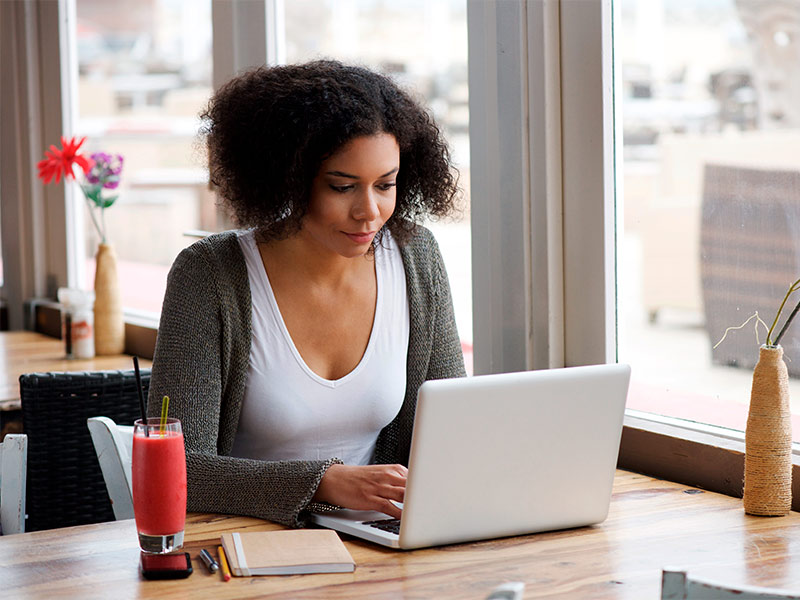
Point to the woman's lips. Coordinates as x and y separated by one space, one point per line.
361 238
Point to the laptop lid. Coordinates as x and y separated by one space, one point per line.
515 453
509 454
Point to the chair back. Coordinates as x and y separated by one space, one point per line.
744 270
65 483
13 458
676 584
113 444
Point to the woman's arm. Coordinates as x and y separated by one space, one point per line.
200 363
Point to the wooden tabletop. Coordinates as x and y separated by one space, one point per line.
28 352
652 524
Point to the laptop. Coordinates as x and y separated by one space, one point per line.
503 455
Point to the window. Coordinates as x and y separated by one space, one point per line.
708 191
543 216
542 204
141 82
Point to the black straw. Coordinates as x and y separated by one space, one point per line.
141 395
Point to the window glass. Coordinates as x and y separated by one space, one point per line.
144 74
708 198
423 45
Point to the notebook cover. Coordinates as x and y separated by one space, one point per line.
286 552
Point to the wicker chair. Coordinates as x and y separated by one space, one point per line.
65 483
750 254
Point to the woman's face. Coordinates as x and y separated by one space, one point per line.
353 195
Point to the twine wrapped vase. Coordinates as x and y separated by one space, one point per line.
109 326
768 438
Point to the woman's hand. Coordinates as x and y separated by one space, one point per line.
370 487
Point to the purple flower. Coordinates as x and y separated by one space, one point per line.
106 170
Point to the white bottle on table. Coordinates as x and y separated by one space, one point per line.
78 322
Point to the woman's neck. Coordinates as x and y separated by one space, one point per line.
305 259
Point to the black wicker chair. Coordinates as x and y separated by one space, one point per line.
65 484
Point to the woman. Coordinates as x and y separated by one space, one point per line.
292 349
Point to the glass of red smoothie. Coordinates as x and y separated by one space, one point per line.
158 466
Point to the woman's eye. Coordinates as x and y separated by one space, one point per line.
341 188
386 186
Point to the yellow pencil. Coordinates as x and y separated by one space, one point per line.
223 561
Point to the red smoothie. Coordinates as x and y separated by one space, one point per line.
159 482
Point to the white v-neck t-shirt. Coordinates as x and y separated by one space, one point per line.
291 413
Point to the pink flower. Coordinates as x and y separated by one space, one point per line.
105 171
63 161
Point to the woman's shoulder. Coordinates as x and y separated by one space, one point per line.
409 237
218 243
422 260
213 257
214 248
421 246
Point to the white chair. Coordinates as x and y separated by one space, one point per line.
13 465
113 444
677 585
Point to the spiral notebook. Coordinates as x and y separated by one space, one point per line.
286 552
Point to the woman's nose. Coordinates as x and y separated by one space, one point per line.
366 207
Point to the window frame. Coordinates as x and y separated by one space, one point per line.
543 192
34 236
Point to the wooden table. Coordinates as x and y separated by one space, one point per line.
652 524
28 352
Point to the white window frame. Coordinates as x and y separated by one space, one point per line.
246 33
541 119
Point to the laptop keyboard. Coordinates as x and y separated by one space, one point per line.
390 525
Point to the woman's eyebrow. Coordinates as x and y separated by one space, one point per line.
349 176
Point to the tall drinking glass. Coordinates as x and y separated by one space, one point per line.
159 485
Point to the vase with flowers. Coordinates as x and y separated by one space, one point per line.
768 436
101 172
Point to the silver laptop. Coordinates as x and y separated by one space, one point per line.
502 455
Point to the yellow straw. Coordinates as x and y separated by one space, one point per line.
164 409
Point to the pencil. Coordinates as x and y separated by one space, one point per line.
223 561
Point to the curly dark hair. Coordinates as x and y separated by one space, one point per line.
269 130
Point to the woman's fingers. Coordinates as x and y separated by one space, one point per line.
392 479
400 470
393 492
386 506
371 487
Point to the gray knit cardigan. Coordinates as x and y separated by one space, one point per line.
201 361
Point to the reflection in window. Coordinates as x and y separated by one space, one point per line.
423 45
708 197
142 80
